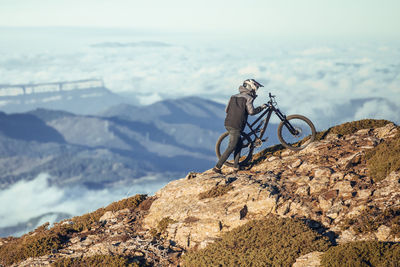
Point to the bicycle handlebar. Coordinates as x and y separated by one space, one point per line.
271 99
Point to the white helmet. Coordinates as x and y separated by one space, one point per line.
252 84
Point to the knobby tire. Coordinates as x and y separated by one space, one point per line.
247 147
303 141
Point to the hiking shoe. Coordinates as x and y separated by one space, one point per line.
216 170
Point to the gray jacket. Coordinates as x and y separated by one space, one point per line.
239 107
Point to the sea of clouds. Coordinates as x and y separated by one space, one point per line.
25 200
330 82
316 78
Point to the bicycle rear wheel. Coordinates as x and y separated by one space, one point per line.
245 153
304 136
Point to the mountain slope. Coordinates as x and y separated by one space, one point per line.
101 150
327 188
327 182
176 118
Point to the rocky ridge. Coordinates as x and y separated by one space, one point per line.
327 184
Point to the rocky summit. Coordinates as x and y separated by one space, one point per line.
327 182
328 185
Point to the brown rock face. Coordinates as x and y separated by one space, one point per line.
312 259
326 182
250 197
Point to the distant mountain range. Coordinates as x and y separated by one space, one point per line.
120 143
125 142
90 100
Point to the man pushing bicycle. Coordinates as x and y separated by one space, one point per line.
237 111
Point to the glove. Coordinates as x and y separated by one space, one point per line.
264 106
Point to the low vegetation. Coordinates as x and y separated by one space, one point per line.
216 191
40 242
340 130
367 253
161 227
272 241
98 261
351 127
384 159
275 150
85 222
372 218
354 126
43 241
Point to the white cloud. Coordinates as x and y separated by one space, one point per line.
377 109
250 70
34 198
319 85
316 51
291 81
149 99
302 76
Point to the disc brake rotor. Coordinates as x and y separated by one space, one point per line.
299 131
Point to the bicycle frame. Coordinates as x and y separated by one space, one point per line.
270 109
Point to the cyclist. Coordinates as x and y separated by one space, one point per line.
237 110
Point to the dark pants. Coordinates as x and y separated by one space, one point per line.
235 144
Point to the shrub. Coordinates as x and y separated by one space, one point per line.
163 224
216 191
161 227
43 241
269 242
40 242
85 221
97 261
372 217
367 253
384 158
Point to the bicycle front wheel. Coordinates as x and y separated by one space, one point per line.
245 153
304 132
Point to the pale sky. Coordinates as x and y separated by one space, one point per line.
282 17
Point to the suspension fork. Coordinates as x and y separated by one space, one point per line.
282 117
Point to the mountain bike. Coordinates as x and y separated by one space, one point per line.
295 132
